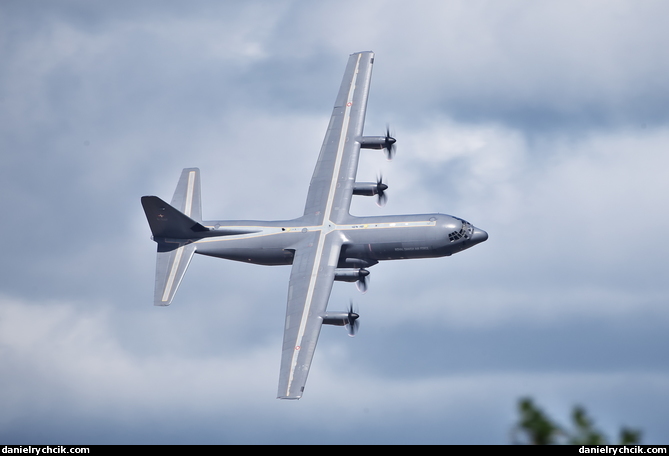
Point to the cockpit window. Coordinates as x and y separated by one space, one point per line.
465 231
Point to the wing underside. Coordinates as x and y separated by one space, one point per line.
328 202
308 292
331 187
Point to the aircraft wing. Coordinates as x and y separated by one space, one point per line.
328 202
331 187
308 293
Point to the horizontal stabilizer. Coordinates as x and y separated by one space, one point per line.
170 269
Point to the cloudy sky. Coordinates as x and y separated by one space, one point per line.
544 123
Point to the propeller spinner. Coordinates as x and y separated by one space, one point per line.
361 284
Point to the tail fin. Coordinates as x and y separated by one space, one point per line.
187 194
167 222
174 227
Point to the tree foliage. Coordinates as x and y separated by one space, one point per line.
536 428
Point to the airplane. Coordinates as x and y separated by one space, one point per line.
324 245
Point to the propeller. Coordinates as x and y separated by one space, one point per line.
381 197
353 323
361 284
389 144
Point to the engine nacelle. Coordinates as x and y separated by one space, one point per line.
336 318
374 142
379 142
350 275
366 188
358 263
348 319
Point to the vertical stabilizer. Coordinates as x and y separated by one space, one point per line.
187 194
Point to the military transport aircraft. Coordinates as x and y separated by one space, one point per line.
323 245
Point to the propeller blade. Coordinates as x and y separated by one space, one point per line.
381 197
381 200
389 144
353 323
361 284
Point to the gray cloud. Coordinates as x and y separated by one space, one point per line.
543 124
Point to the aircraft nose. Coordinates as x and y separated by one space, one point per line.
479 236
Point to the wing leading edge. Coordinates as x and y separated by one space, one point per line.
328 203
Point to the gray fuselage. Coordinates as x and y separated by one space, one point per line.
366 240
